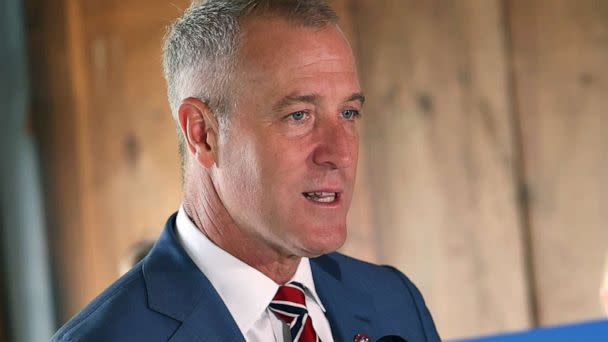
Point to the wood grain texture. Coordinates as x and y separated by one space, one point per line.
130 140
53 113
128 145
107 137
440 158
560 51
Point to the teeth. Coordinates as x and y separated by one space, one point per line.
323 197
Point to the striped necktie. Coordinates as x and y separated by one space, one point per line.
289 306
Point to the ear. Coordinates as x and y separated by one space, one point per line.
199 127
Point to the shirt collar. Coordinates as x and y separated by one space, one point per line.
245 290
303 275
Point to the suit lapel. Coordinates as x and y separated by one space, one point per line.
349 311
178 289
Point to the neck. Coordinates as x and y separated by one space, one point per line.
206 210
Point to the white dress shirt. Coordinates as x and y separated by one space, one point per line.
246 291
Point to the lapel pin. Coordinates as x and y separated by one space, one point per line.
362 338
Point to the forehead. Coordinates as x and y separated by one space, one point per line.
273 47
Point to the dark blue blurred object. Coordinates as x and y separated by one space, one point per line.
593 331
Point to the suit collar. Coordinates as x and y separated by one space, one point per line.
349 311
228 275
178 289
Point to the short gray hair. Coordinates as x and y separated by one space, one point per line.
200 48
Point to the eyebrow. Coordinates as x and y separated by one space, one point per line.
356 97
293 99
312 99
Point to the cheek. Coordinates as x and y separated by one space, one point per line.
240 171
262 171
286 172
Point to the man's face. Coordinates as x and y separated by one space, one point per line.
287 162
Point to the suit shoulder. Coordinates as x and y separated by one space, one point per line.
355 268
119 313
393 293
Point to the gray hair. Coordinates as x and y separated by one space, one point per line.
200 49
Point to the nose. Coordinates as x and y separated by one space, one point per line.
337 147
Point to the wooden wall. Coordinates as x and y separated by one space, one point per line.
482 166
105 132
441 158
560 55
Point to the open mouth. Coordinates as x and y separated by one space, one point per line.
322 196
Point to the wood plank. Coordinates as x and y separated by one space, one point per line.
440 158
53 112
131 143
108 141
128 156
560 50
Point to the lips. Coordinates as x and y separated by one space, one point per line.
322 196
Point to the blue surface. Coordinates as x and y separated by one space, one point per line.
593 331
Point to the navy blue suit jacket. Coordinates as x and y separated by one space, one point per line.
166 297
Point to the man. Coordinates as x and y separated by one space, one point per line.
267 101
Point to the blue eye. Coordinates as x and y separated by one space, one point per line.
297 116
350 114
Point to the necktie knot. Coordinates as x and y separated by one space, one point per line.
289 305
292 292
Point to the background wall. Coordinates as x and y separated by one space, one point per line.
483 154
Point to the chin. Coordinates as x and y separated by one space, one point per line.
323 241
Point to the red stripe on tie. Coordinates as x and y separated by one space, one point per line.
290 294
309 334
294 296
